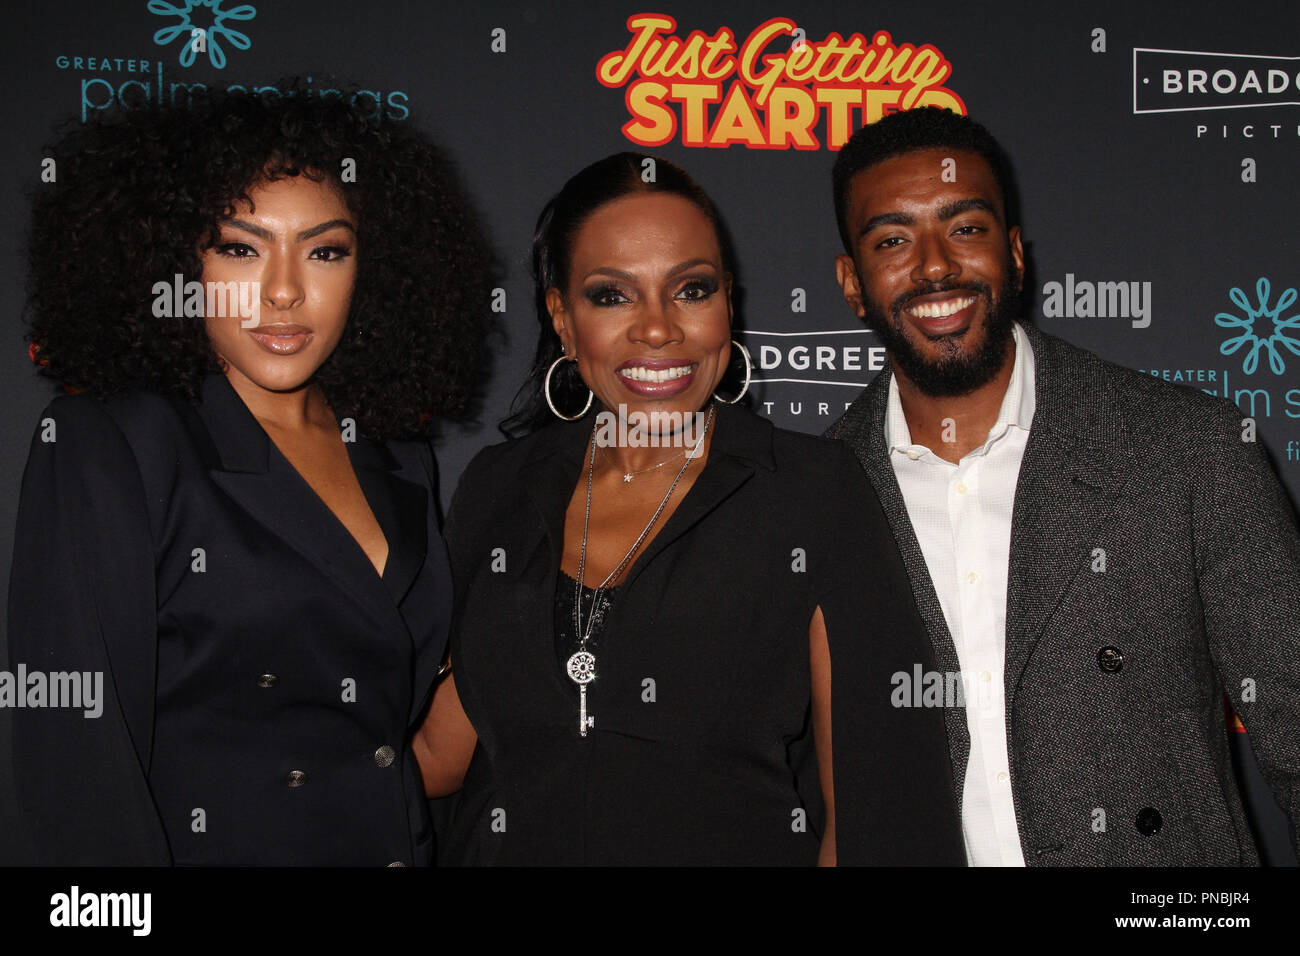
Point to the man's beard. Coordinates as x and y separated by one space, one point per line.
955 373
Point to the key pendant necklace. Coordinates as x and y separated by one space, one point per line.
582 671
581 665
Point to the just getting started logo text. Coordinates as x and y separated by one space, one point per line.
775 89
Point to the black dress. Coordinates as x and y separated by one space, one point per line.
261 680
701 750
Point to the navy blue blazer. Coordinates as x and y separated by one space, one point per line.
260 679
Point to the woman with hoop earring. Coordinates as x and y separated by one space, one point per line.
652 583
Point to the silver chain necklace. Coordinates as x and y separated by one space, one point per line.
581 666
628 476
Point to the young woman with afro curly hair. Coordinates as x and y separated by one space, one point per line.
228 533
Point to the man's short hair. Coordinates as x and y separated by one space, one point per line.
927 127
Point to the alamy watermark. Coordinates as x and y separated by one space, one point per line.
923 688
195 299
77 690
624 429
75 908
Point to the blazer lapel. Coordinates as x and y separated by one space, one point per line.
863 427
261 481
400 507
550 474
741 441
1070 479
554 470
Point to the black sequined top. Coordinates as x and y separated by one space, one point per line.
567 638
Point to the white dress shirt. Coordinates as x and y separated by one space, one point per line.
962 517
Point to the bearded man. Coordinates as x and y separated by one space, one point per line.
1099 554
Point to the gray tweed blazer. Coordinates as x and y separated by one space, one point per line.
1154 564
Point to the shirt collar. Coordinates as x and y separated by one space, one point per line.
1017 408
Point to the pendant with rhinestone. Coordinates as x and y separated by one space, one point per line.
582 671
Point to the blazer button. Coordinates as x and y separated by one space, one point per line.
1110 660
1149 821
295 779
385 756
267 680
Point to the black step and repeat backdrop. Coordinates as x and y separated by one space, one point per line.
1157 149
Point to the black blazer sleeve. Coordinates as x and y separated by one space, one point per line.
472 499
895 803
81 598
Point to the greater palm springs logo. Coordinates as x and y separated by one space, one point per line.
1261 328
204 32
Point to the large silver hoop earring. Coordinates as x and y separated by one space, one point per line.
546 390
749 371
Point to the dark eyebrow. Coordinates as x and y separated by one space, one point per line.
615 273
966 205
247 227
305 234
688 264
629 277
886 219
325 227
944 214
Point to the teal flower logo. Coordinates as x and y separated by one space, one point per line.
214 34
1265 340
